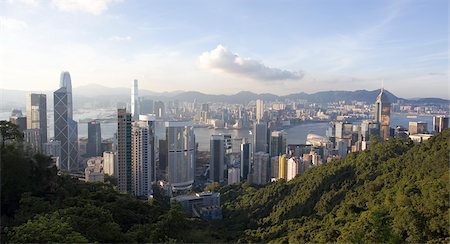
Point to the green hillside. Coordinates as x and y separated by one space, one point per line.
395 192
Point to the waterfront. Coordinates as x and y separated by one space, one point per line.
296 134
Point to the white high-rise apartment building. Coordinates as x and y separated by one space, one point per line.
259 109
142 138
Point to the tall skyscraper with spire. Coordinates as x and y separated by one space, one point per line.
66 129
383 114
135 101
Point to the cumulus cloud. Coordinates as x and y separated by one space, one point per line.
95 7
11 24
222 59
120 38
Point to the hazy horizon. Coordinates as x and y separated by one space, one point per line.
223 47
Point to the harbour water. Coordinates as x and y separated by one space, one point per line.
296 134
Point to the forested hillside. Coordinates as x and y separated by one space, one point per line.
395 192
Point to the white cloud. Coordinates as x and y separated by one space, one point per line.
120 38
222 59
11 24
95 7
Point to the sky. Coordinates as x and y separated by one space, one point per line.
227 46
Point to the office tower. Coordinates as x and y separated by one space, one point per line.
297 150
110 163
417 128
282 171
124 162
383 114
234 175
369 128
204 113
135 100
94 144
261 168
65 128
440 123
181 155
274 167
342 147
343 130
66 81
18 119
53 149
246 157
205 107
293 168
32 138
217 159
36 108
260 135
160 110
143 147
259 109
278 141
147 106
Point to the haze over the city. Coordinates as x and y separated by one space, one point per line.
216 47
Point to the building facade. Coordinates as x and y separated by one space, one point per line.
143 151
65 128
383 114
36 111
94 144
180 140
124 161
217 159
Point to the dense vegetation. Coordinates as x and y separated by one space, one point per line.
37 205
394 192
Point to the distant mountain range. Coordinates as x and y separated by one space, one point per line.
94 94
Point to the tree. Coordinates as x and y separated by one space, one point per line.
46 228
9 132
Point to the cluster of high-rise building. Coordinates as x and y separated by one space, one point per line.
155 141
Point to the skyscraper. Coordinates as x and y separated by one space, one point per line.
110 163
246 157
146 106
66 129
36 108
260 135
417 127
259 109
278 141
143 147
135 100
440 123
217 159
124 159
181 155
383 114
282 171
18 119
160 109
261 168
94 144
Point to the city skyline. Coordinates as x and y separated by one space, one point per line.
282 47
